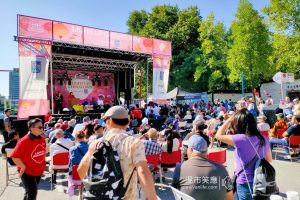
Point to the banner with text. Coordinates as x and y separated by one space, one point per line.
33 66
82 87
161 68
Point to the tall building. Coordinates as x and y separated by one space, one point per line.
14 88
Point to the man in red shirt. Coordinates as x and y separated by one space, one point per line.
29 156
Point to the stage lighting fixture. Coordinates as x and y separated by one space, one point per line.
105 82
99 82
69 82
93 82
61 82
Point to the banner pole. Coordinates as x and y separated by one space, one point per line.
51 74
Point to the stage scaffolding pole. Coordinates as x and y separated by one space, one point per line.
51 75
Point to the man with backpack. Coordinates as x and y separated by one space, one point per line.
116 148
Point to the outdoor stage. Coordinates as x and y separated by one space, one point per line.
88 62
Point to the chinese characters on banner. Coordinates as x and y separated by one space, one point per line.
33 66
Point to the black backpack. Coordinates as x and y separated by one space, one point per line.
105 178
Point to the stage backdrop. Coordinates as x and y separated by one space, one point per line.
34 63
82 86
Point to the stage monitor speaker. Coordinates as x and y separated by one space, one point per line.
42 117
20 126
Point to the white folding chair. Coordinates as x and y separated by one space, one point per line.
7 166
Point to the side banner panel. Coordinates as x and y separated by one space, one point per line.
33 65
161 68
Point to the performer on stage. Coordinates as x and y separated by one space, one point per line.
59 103
100 101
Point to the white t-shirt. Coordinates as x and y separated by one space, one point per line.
263 127
175 145
100 102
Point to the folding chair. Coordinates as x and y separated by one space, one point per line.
294 143
7 166
59 162
169 160
154 160
266 133
76 181
178 195
218 156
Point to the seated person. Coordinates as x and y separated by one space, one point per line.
76 154
195 175
292 130
98 133
198 129
171 144
61 145
13 139
188 117
144 127
151 145
261 123
278 126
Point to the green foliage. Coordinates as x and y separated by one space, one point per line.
137 21
251 47
214 46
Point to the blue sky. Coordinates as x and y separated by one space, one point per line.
111 15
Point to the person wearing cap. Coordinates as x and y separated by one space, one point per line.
59 146
261 123
130 150
151 145
194 176
289 119
7 125
293 130
13 139
280 125
144 127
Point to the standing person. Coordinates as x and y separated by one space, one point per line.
130 150
59 103
249 145
29 155
7 125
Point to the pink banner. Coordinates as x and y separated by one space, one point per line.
82 86
31 107
96 37
67 32
162 47
121 41
161 62
35 28
142 44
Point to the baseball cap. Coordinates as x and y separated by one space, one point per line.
7 110
279 115
289 116
295 100
261 117
116 112
197 143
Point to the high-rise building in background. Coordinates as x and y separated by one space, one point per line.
14 88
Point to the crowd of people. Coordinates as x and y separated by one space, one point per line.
153 129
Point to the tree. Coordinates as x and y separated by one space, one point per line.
251 47
137 20
181 27
214 46
284 18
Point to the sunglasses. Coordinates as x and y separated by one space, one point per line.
39 127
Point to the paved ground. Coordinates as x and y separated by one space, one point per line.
288 174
